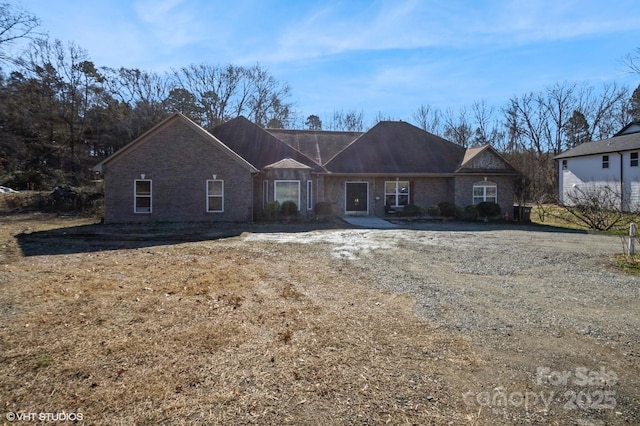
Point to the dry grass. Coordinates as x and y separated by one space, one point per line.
217 332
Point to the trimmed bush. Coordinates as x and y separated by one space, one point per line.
323 208
471 212
434 210
459 213
447 209
412 210
272 210
488 209
289 208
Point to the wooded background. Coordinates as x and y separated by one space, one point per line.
60 114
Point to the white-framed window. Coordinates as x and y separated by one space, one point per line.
485 191
215 196
142 196
634 159
605 161
564 165
286 190
265 193
309 195
396 193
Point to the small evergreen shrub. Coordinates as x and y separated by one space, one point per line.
459 213
471 212
447 209
412 210
272 210
323 208
489 209
434 210
289 208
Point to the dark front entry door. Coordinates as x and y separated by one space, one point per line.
357 197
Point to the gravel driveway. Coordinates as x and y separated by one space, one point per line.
544 309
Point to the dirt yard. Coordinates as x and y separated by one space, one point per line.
282 324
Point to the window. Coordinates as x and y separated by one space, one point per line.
564 164
215 196
396 193
634 159
309 195
287 190
142 196
485 191
605 161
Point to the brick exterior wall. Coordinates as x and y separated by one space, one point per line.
464 190
271 175
426 191
179 161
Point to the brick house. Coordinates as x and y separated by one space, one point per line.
179 172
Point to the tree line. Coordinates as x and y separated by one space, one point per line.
60 113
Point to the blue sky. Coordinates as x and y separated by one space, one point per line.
388 56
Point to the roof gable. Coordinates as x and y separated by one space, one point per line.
483 159
171 120
258 146
399 148
633 127
318 145
287 163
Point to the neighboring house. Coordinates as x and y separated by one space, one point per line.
177 171
607 168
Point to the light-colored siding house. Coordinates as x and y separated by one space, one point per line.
179 172
608 166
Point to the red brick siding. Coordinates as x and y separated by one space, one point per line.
178 160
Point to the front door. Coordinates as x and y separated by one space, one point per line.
357 198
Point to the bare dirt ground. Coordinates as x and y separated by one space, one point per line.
282 324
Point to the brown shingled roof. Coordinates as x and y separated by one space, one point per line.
256 145
398 147
319 145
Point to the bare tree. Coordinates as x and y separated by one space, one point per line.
458 129
606 110
15 24
267 97
350 121
599 207
632 61
487 129
428 118
141 99
219 91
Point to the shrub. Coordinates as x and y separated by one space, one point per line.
289 208
489 209
412 210
434 210
471 212
459 213
323 208
447 209
271 210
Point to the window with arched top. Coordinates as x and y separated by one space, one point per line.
485 191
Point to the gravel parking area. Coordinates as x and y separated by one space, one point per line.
545 310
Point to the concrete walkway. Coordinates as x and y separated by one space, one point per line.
371 222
